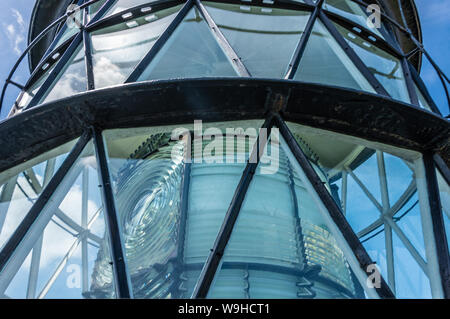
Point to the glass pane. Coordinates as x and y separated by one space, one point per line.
122 5
94 8
71 80
411 281
422 101
352 11
324 61
119 48
66 33
26 97
385 67
281 246
264 38
22 186
68 242
167 246
191 51
444 194
357 169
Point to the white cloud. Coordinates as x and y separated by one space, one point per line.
16 31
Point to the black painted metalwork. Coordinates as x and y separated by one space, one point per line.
440 237
212 263
121 276
339 219
409 82
88 60
20 232
340 110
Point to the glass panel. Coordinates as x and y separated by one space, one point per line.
323 61
166 246
411 281
94 8
385 67
191 51
25 98
122 5
68 242
352 11
22 186
119 48
66 33
357 169
444 194
422 101
71 79
281 246
264 38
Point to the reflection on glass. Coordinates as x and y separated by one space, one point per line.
352 11
119 48
324 61
167 246
67 32
191 51
25 97
281 246
94 8
385 67
264 38
355 170
22 185
444 194
70 80
122 5
68 243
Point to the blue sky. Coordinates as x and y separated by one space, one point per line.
15 16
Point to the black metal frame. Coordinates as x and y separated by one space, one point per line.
273 102
325 16
297 102
121 275
212 263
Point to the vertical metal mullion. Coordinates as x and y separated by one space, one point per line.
88 60
121 276
298 53
160 42
409 82
223 42
423 89
21 231
356 60
212 263
56 71
438 223
333 210
88 52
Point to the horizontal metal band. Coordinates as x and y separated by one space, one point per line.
151 103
